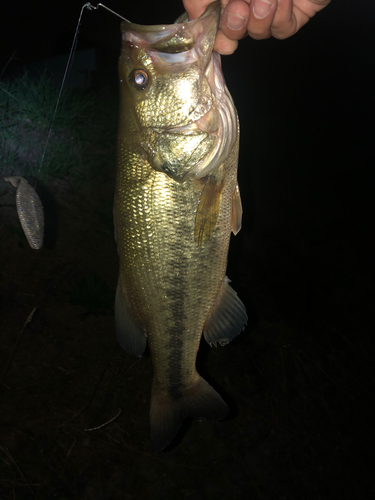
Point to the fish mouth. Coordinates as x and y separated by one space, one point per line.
178 44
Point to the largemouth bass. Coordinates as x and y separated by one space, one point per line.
176 203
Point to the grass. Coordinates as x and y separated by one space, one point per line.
84 128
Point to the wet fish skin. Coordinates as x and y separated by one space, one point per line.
176 203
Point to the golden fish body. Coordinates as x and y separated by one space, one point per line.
176 203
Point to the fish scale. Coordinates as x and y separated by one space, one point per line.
173 224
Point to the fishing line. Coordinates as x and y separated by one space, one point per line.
29 206
88 6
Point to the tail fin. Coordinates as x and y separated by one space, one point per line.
166 414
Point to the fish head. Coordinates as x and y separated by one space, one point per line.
175 106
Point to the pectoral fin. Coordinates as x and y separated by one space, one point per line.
129 335
228 319
208 210
236 210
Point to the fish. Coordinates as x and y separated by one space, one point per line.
176 203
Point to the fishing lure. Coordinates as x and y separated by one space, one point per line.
30 211
29 206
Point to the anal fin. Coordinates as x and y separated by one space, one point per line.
228 318
129 335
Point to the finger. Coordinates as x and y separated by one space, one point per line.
262 13
234 19
284 23
224 45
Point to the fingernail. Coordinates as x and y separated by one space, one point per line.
235 22
261 8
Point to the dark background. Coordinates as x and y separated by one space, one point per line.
299 380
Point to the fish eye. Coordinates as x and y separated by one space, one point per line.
139 79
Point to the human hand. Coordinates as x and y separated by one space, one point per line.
258 18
